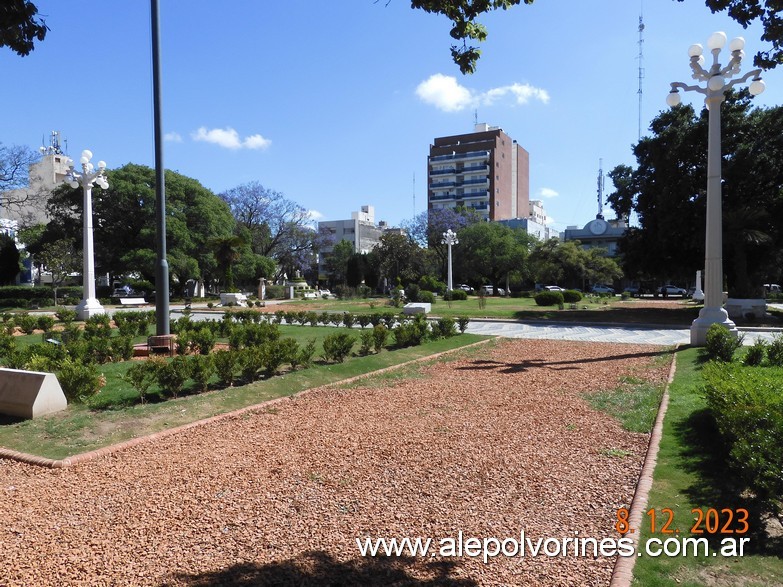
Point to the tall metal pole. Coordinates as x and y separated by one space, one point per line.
162 267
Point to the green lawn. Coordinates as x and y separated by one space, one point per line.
81 428
688 476
590 309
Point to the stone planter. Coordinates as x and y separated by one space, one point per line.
743 309
236 299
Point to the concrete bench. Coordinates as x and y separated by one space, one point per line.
310 295
133 302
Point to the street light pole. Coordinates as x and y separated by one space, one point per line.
89 306
718 82
449 239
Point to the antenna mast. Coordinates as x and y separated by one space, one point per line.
414 194
641 65
600 189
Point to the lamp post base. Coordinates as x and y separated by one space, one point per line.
708 317
89 308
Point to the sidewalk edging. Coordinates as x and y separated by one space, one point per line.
70 461
622 575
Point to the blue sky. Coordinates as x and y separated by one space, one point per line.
334 104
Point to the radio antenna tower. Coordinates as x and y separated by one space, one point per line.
414 194
641 64
600 189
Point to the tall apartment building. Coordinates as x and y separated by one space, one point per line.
486 171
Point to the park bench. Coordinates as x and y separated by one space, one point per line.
133 302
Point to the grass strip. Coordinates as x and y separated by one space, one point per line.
80 428
687 477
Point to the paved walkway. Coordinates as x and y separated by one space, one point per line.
580 332
599 333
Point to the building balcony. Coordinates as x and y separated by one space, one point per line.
480 181
449 171
443 197
474 195
443 184
460 156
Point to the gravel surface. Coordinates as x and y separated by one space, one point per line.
489 446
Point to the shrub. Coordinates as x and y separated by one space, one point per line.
201 368
173 374
455 294
335 319
45 323
380 335
348 320
431 284
306 354
389 319
97 326
412 292
183 342
142 375
203 340
748 410
276 353
338 346
225 363
366 341
444 328
121 348
312 318
79 381
27 323
721 344
426 297
775 351
549 298
363 320
411 333
462 323
7 344
571 296
325 318
99 349
755 355
250 363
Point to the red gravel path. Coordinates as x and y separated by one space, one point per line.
487 446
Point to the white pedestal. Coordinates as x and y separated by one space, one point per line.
89 308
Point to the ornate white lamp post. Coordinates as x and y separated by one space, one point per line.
449 239
89 306
718 82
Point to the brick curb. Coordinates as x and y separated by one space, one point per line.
622 575
70 461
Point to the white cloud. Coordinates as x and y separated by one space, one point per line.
229 138
547 193
447 94
172 137
315 215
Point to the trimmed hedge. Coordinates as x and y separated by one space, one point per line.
748 409
571 296
549 298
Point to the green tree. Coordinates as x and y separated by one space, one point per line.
570 265
61 260
20 26
490 251
124 223
398 259
667 191
337 262
227 250
10 260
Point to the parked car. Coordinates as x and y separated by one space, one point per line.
553 288
672 290
123 292
488 290
633 290
466 288
600 288
772 288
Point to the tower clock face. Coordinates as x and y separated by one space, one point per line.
598 226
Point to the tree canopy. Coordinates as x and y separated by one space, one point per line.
20 26
124 223
667 191
489 251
